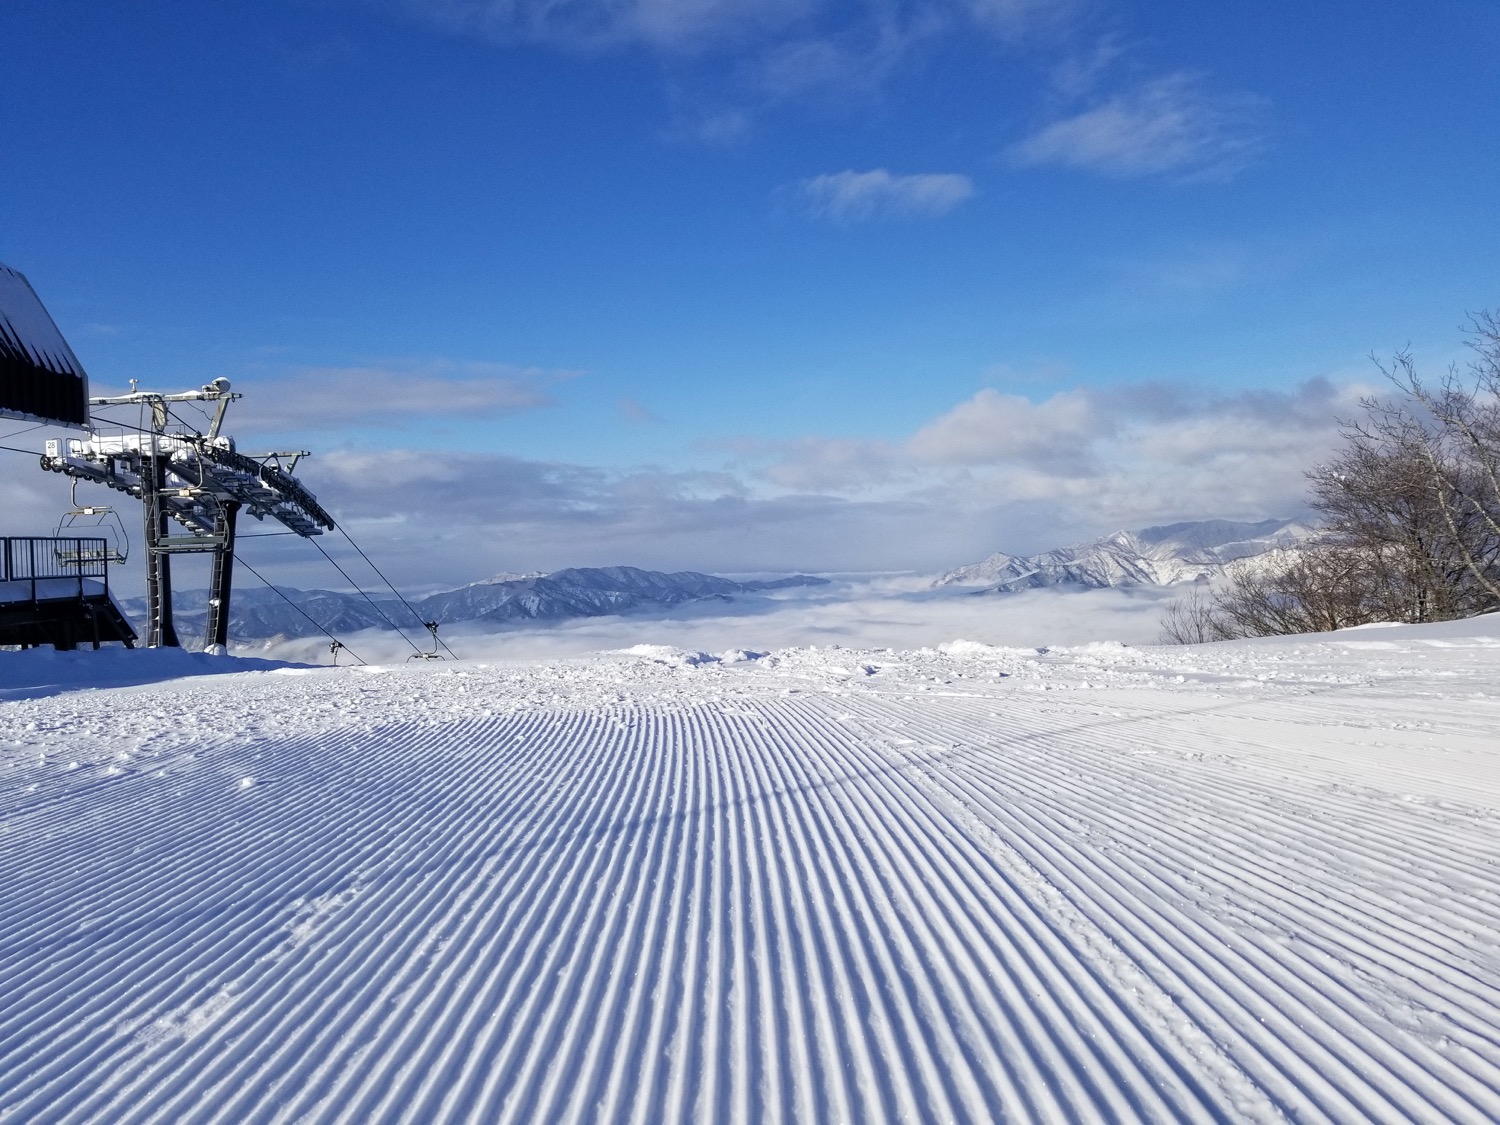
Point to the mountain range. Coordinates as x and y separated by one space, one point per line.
261 613
1153 556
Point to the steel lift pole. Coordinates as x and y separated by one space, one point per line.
162 633
222 578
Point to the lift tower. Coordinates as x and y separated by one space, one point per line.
198 481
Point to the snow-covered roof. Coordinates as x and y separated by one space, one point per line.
40 377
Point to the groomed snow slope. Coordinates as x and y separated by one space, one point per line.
1237 882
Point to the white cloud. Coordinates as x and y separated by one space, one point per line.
1014 18
1083 461
993 427
725 127
672 26
684 27
1082 72
744 54
832 464
851 197
730 61
458 517
1171 125
391 395
840 60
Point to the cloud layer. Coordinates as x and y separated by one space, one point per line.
859 614
1081 461
995 472
392 396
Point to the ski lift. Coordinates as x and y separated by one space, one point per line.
83 521
432 627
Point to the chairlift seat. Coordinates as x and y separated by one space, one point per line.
74 556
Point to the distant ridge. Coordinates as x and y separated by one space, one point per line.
262 614
1153 556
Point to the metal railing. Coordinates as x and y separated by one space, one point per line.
34 559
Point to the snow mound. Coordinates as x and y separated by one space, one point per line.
669 654
740 656
963 647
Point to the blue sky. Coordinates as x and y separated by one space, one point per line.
779 284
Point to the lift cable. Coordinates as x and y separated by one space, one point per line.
298 608
96 414
24 430
361 592
344 532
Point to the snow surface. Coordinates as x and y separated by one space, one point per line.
1238 882
22 590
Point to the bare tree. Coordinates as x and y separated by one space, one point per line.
1310 589
1453 431
1410 517
1193 619
1379 497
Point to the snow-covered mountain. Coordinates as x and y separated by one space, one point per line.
588 592
260 613
1153 556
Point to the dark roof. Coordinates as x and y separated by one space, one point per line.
40 377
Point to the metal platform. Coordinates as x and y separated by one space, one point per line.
55 591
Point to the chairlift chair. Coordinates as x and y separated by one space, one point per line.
83 521
432 627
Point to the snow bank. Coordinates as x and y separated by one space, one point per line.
37 672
